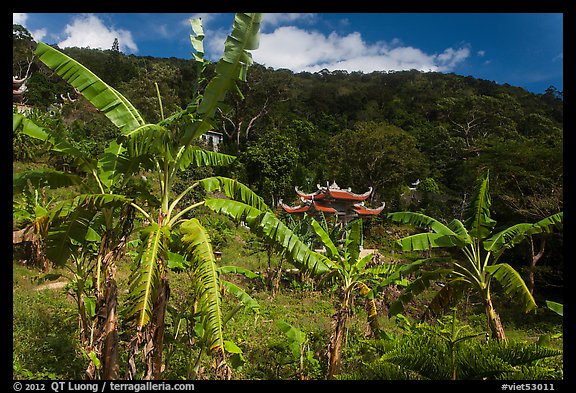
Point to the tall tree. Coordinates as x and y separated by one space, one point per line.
376 155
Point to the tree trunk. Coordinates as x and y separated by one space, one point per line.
533 262
494 323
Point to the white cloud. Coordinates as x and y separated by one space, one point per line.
300 50
89 31
481 53
19 19
39 34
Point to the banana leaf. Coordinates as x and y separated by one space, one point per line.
110 102
479 223
235 190
39 178
331 250
145 279
514 235
234 63
512 284
206 280
197 157
267 225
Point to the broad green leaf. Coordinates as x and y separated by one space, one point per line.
94 358
231 347
113 104
419 285
67 227
90 304
238 270
460 230
197 157
177 261
247 301
145 280
197 40
43 178
479 223
267 225
235 190
234 62
28 127
331 251
513 284
353 242
296 338
558 308
426 241
421 221
207 282
514 235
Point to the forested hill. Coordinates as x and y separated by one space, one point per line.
390 131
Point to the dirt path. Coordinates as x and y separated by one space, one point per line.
52 285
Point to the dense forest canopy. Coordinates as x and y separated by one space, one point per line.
385 130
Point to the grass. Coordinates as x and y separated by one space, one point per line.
44 331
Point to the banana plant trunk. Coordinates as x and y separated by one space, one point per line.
107 327
109 350
339 327
494 323
154 336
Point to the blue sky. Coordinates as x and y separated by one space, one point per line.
521 49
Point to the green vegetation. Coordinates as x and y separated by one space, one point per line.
142 253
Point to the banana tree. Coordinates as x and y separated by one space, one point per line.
481 250
164 149
32 208
351 275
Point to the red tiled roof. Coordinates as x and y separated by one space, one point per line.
364 211
295 209
343 194
323 208
319 194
